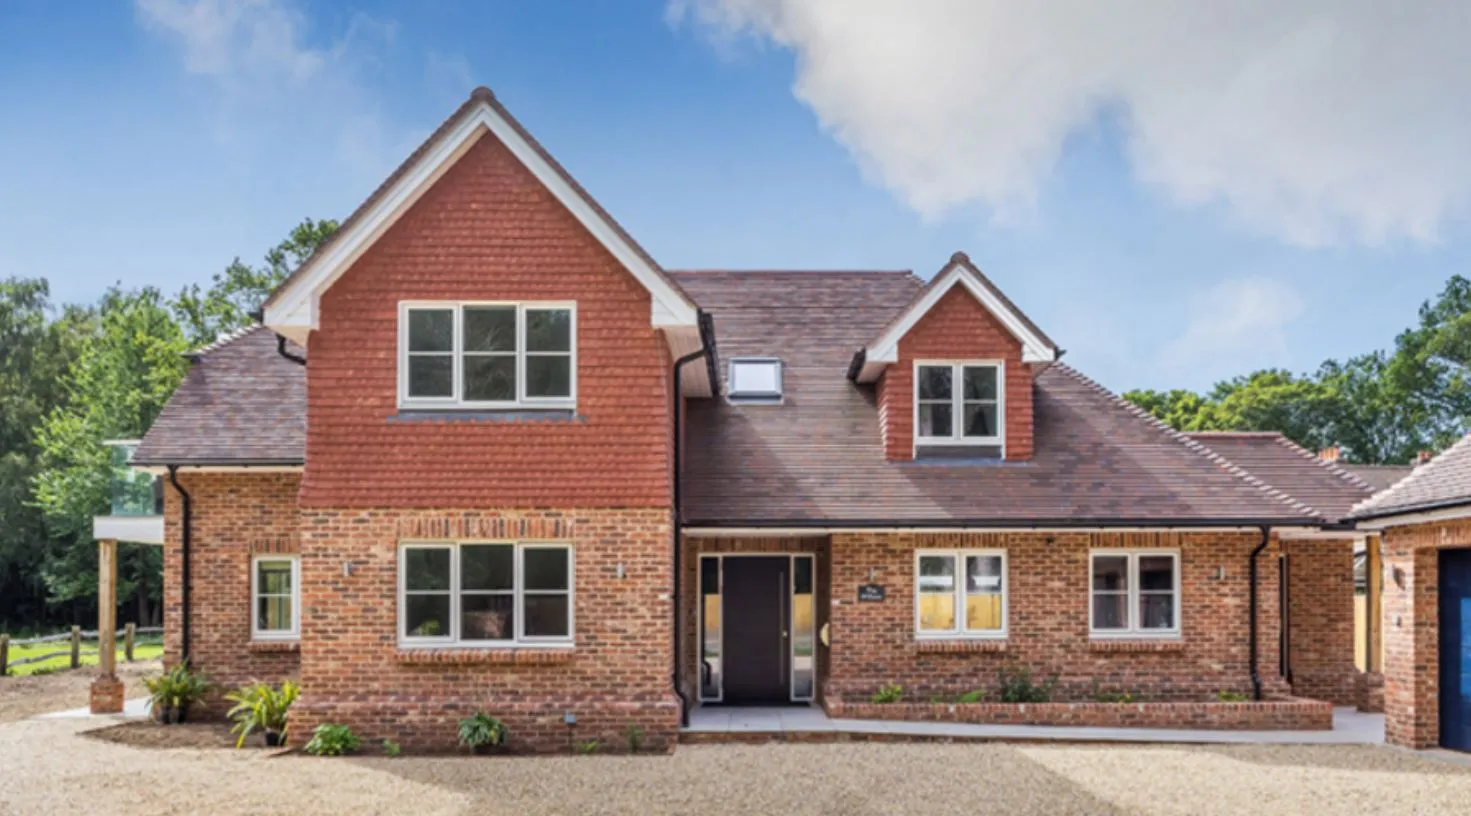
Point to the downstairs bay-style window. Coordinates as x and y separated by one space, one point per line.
275 594
485 594
1134 594
958 403
960 594
487 355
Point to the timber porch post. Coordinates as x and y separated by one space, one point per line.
107 690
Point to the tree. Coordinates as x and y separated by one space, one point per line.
1431 364
1180 409
115 388
240 290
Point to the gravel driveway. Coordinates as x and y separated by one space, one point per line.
50 768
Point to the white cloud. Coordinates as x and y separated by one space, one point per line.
1316 121
1243 320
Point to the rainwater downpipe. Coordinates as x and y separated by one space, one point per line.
185 512
678 392
1256 677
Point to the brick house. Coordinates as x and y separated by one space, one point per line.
484 452
1424 522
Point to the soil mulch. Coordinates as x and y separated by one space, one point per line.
149 734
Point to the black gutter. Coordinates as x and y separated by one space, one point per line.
1256 677
1024 523
252 463
185 509
707 351
1410 509
281 350
856 365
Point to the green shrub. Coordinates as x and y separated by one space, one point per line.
259 705
892 693
1017 686
1233 697
635 738
170 694
972 696
1101 696
331 739
481 730
391 748
586 747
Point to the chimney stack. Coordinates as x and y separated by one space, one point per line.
1425 456
1330 453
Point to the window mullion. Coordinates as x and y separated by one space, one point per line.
957 402
456 354
1133 577
518 598
957 593
520 352
454 593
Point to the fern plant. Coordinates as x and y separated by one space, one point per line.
171 693
261 706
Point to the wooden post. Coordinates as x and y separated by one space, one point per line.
107 606
130 632
76 646
4 654
1374 606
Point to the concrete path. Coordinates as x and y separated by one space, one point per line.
135 709
1349 728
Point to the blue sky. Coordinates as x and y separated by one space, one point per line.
150 143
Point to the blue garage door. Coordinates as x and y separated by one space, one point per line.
1455 649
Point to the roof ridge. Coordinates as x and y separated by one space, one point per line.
791 271
1242 434
1382 498
1214 458
223 340
1331 467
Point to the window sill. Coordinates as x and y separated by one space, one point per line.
428 415
273 646
1173 644
510 655
961 646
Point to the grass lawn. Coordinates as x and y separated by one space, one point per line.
143 650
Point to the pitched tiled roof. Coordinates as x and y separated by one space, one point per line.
1273 458
241 403
818 457
1444 481
1379 477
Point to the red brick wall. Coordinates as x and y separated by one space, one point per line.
619 672
234 516
957 328
1411 626
487 230
1321 620
873 643
1286 714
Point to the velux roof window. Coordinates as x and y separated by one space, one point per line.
754 379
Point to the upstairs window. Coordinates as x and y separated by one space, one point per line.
492 355
958 403
754 379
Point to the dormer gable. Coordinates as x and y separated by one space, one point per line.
953 371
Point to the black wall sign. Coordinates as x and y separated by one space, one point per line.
870 593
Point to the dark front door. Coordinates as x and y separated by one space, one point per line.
1455 649
756 589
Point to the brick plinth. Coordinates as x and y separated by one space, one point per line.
1369 692
106 695
1286 714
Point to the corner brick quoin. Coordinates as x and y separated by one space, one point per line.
1284 714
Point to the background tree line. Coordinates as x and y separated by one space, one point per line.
74 376
1383 407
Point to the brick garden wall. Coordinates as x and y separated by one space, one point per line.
873 643
1411 627
234 516
618 674
1321 620
957 328
1287 714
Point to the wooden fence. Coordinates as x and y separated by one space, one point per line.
74 649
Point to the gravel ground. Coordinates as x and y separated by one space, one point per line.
22 697
50 768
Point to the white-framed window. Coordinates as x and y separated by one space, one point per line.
754 379
487 355
959 403
485 593
960 593
275 597
1134 593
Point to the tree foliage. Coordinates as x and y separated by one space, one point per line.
1383 407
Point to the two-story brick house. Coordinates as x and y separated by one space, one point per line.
484 452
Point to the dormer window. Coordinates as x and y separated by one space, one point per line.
958 403
755 379
487 355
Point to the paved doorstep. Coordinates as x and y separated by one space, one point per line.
1350 727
